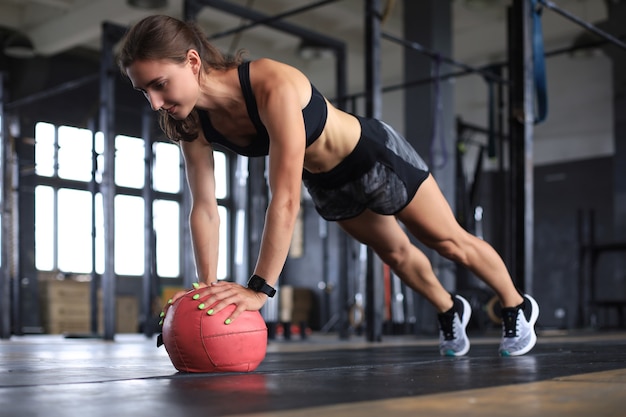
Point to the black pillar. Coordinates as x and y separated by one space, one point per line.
150 282
373 108
27 318
521 120
5 282
615 26
111 34
431 132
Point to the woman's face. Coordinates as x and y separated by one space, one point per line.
167 85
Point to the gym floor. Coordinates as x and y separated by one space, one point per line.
581 374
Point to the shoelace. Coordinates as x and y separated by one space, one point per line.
509 320
446 325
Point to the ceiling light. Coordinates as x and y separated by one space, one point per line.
18 46
311 50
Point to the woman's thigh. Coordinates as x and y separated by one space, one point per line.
429 216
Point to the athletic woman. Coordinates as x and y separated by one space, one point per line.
359 172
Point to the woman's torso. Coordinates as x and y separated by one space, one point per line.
331 134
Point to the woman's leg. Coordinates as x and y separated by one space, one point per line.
385 236
390 242
430 219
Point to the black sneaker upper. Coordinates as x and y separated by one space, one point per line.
446 319
509 318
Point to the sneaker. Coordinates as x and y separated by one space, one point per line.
453 340
518 328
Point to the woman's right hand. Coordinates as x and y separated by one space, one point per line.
175 297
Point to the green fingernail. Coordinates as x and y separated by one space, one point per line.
170 301
210 312
228 321
160 323
196 285
201 306
196 296
162 314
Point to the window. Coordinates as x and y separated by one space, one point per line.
222 271
74 153
129 162
44 149
74 219
167 231
221 183
167 165
129 235
67 212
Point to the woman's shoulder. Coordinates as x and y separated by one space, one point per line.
269 72
268 67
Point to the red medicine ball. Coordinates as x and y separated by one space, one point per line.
197 342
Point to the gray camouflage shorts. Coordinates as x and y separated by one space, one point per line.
382 174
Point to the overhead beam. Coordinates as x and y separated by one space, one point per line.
77 26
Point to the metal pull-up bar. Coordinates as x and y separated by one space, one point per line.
269 19
588 26
437 56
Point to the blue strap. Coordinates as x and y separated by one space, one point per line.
541 90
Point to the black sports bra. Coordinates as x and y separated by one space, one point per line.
314 114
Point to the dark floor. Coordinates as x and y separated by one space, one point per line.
53 376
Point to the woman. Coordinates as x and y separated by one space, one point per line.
359 172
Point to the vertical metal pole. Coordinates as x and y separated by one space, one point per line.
500 201
191 8
5 283
521 118
149 270
107 127
373 296
93 189
239 219
189 265
341 76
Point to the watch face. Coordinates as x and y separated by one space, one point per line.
256 283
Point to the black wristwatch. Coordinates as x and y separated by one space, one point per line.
258 284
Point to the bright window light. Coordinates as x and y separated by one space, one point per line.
129 235
222 262
166 171
167 229
44 149
74 234
129 161
75 147
44 228
221 175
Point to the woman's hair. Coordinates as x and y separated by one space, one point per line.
166 38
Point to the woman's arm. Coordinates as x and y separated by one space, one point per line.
281 93
204 219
